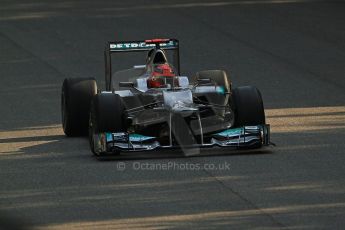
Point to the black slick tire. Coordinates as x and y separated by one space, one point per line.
76 95
107 115
248 106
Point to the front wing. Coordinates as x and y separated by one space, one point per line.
243 137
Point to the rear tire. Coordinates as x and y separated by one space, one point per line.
107 115
76 97
220 77
248 106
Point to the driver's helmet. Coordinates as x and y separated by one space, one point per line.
161 75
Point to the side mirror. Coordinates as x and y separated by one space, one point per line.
126 84
139 66
202 81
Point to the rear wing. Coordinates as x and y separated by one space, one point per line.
138 46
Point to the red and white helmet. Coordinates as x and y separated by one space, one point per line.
159 75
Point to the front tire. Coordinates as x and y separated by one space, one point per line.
107 116
76 95
248 106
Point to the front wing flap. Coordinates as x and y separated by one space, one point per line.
243 137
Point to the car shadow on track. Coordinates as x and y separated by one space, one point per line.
60 174
63 146
178 153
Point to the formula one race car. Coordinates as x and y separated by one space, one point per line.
152 106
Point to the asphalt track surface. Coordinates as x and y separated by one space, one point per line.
293 51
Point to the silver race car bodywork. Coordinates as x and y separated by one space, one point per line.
152 106
162 110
